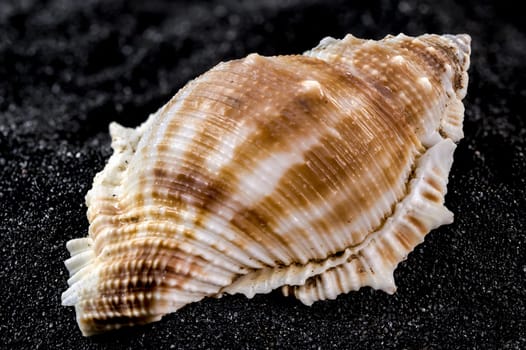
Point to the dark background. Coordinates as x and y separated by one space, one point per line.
68 68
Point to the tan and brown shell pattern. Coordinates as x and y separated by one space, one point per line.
317 173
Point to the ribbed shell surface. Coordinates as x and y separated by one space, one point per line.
317 173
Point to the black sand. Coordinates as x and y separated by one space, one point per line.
68 68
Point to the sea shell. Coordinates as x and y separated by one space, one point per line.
317 173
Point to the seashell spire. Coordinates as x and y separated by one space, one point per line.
315 173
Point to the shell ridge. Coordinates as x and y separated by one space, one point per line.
414 207
79 265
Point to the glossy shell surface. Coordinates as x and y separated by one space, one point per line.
314 173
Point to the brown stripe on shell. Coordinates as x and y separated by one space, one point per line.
446 52
343 211
432 196
417 223
247 107
398 78
402 238
427 58
434 183
311 173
